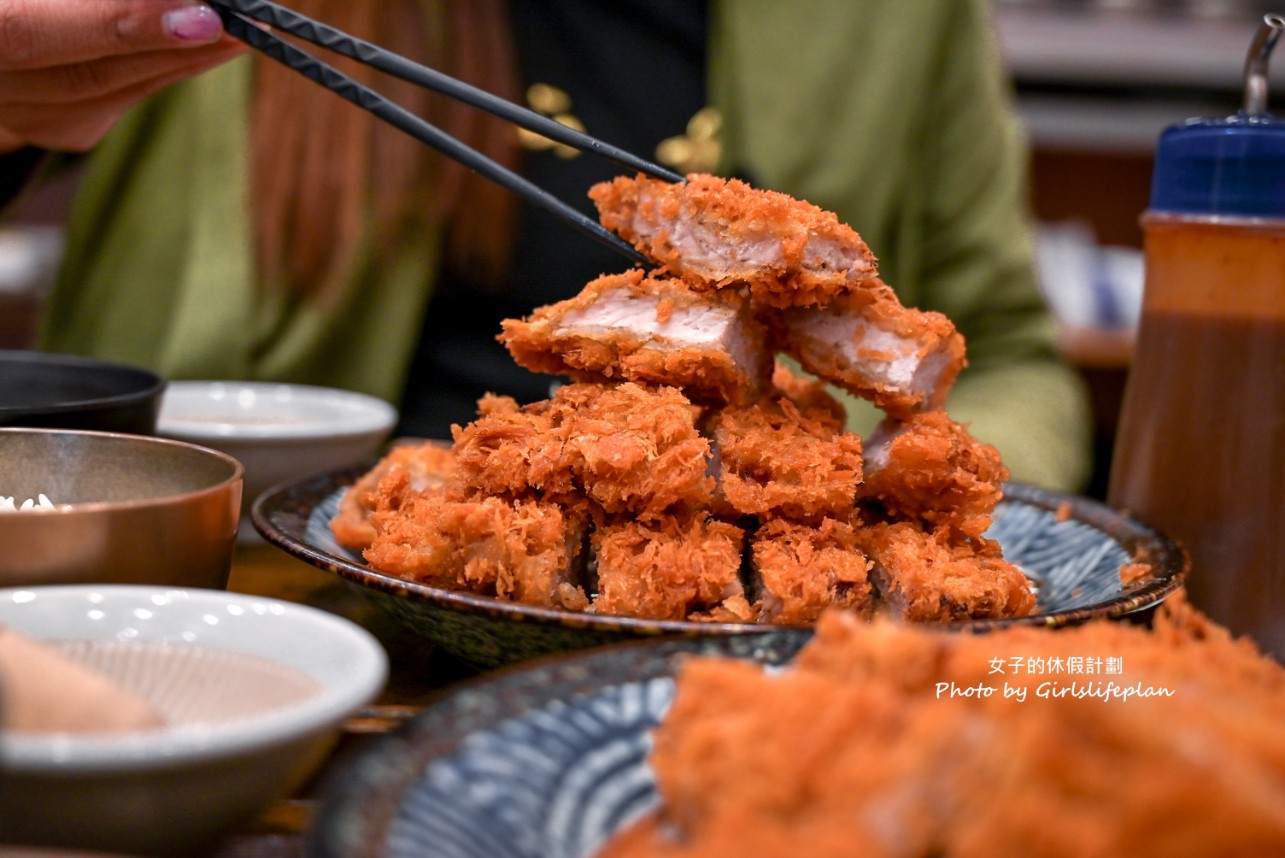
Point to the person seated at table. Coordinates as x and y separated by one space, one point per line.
237 221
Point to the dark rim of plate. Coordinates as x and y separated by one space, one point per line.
281 515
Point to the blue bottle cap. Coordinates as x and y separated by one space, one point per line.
1230 166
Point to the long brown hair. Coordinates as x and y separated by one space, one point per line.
324 171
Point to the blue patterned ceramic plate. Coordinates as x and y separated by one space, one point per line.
545 761
1072 548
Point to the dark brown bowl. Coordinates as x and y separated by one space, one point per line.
132 510
56 391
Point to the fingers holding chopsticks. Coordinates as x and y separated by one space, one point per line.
41 33
70 68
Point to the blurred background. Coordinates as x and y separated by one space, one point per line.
1095 81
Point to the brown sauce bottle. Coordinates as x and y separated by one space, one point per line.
1201 449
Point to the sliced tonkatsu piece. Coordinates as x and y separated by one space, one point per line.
930 469
427 465
675 567
902 359
524 551
657 330
810 396
772 460
924 577
510 450
632 448
801 570
721 232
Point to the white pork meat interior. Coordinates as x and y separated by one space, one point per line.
856 353
655 331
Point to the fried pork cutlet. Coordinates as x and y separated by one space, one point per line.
426 465
930 469
800 570
891 740
717 232
673 568
633 449
523 551
651 329
809 396
902 359
510 451
772 460
922 577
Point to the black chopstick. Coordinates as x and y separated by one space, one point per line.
345 87
322 35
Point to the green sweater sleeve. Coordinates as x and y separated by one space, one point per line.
897 117
160 270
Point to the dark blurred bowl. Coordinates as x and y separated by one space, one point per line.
57 391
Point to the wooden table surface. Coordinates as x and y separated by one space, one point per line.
418 674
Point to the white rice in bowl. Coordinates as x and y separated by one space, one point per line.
8 504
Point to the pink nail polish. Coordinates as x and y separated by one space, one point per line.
193 23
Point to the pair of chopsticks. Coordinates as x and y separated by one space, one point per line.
239 17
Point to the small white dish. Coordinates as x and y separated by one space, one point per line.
254 691
279 432
266 411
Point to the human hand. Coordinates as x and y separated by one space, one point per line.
70 68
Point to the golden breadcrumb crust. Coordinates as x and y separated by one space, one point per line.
427 464
672 568
801 570
925 577
935 472
545 342
775 461
727 214
872 744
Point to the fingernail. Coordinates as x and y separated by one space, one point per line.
193 23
